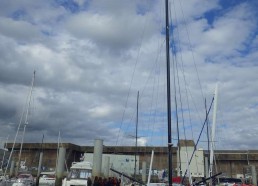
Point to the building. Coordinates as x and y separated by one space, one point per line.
30 154
230 163
185 153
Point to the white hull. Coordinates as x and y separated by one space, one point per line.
74 182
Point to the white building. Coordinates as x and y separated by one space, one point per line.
121 163
196 167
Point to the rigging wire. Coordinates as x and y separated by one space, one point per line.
26 122
183 72
157 70
185 79
194 61
154 114
180 96
19 125
153 71
155 109
132 78
152 95
174 61
207 124
178 79
195 147
191 49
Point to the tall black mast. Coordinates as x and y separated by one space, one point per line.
168 99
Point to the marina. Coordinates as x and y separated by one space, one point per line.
192 67
236 164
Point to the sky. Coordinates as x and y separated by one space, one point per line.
91 57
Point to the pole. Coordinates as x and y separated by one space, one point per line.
168 99
26 121
144 168
150 169
136 132
60 166
97 157
213 131
40 161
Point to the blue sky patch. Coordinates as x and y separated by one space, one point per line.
18 14
69 5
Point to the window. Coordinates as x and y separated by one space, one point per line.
79 174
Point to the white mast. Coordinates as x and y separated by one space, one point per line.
21 119
150 169
26 116
212 145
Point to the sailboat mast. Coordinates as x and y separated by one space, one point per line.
21 119
168 99
212 146
136 132
26 117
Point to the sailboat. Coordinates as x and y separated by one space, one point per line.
23 178
169 135
168 114
23 167
170 165
168 106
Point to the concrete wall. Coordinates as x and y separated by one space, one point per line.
230 162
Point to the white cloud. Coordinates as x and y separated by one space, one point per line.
109 30
100 111
19 30
85 60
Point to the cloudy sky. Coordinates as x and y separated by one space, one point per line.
91 57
